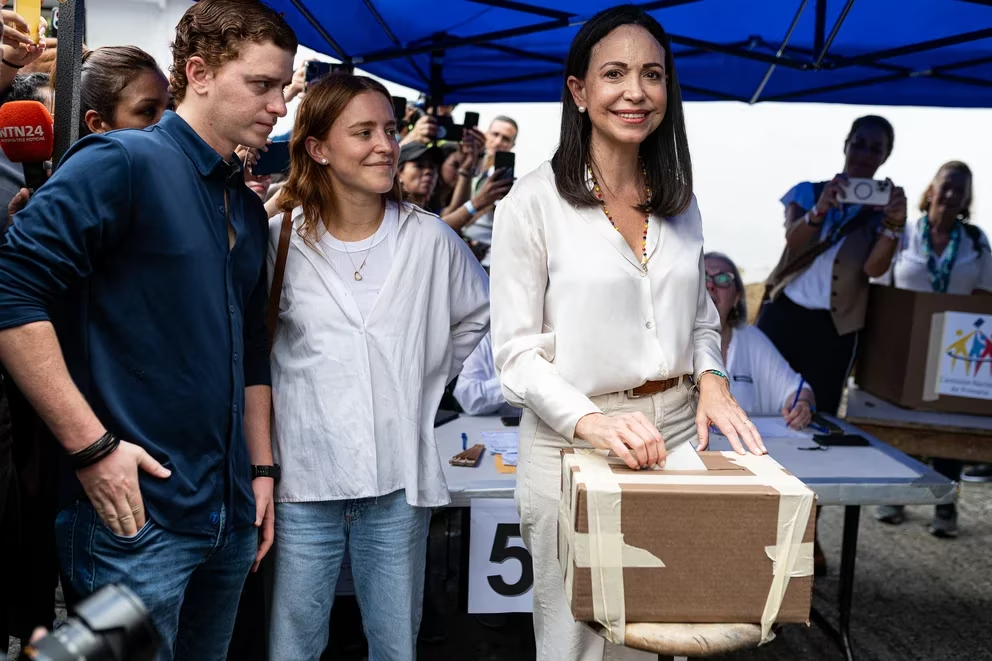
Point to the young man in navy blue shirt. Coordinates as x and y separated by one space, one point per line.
152 250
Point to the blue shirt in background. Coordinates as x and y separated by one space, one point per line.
162 326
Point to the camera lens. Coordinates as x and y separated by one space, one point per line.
863 190
111 625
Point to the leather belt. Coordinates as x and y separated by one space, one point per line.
654 387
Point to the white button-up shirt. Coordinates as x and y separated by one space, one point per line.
972 267
761 380
354 399
575 315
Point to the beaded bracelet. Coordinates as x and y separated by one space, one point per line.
95 452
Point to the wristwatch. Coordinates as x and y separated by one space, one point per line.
266 471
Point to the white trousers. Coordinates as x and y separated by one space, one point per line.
559 637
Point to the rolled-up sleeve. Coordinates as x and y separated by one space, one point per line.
77 215
524 348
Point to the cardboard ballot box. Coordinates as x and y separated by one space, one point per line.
732 543
929 352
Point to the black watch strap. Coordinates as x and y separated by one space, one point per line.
266 471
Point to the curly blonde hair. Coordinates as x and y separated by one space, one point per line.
217 30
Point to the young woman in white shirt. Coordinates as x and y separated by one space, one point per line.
943 253
761 380
601 320
380 305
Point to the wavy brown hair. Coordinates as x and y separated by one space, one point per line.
217 30
309 183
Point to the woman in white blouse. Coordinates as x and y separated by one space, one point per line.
943 253
761 380
380 305
601 320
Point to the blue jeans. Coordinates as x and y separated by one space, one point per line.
387 541
191 584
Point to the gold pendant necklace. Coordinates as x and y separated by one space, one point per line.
358 269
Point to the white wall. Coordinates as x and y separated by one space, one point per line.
148 24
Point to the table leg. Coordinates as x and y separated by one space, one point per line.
463 557
845 589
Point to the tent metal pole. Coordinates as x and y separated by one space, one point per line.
779 53
68 72
324 34
821 25
912 49
393 38
833 33
525 8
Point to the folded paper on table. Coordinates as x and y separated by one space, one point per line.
727 544
500 442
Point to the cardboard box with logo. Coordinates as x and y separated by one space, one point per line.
927 352
731 543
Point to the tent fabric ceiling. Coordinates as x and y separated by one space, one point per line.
883 52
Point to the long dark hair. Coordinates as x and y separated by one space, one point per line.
665 152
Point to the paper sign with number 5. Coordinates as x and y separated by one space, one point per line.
501 573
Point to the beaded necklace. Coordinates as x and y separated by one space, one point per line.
602 200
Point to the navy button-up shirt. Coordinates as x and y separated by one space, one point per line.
162 326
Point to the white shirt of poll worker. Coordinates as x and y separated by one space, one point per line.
354 396
574 313
477 389
376 251
811 288
761 380
972 270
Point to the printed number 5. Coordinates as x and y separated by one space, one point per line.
502 551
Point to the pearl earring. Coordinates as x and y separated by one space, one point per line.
324 161
582 109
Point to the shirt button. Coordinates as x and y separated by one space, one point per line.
221 209
231 308
649 324
235 357
643 273
664 373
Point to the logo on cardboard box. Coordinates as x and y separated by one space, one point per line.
966 356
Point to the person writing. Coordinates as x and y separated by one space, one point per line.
760 378
601 320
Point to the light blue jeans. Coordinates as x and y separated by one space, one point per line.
387 541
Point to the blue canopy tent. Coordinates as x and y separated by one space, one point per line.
880 52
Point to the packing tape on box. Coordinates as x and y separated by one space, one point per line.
604 551
795 505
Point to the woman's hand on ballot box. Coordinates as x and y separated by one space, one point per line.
718 407
630 436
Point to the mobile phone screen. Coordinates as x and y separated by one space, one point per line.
273 161
471 120
30 11
505 160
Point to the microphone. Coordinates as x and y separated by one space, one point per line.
27 137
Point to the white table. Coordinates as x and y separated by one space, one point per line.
923 433
852 477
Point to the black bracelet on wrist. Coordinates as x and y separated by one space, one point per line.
11 64
95 452
466 173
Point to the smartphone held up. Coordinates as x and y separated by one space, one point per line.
867 192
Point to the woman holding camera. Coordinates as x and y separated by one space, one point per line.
817 296
601 320
380 305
